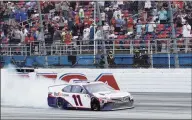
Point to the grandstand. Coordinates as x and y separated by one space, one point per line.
81 34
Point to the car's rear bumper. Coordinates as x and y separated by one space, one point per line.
118 106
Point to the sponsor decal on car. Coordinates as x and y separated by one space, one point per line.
60 94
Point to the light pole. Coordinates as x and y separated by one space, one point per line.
42 33
103 41
176 58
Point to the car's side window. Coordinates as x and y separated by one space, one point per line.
67 89
77 89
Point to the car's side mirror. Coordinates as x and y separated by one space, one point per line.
84 91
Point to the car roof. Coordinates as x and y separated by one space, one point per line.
85 83
79 83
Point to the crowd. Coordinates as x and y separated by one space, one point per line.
65 21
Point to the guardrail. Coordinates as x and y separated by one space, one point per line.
77 47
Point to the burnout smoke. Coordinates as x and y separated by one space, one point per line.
20 91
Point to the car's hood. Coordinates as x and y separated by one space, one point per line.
109 94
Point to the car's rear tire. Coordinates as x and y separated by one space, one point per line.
59 103
95 105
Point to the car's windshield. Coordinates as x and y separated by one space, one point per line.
100 87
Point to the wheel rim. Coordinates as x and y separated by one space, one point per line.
59 104
95 107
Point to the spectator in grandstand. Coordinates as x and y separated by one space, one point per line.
57 35
77 19
16 36
119 23
101 62
150 28
81 14
113 22
1 12
189 18
6 15
117 14
86 34
178 21
11 18
101 3
147 8
130 24
109 15
48 38
188 6
187 30
111 59
91 42
18 15
63 34
99 34
106 30
65 8
124 27
144 60
23 15
120 4
72 4
103 16
136 58
57 7
88 21
5 28
71 25
29 38
81 28
92 31
68 37
71 13
162 16
181 15
56 18
1 36
139 28
34 33
40 36
111 32
23 35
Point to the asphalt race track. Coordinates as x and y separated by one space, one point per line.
147 106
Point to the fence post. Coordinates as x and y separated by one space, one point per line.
131 46
10 51
46 61
80 42
148 43
71 49
169 60
60 49
186 46
30 49
96 45
155 46
113 47
151 56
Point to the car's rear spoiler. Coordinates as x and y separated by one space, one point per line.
56 86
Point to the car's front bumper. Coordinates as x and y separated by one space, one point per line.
118 105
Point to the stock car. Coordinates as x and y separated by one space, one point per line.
94 96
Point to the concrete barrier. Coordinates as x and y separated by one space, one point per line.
136 80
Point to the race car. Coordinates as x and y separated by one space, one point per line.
94 96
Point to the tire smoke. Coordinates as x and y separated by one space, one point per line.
21 91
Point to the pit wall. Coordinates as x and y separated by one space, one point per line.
134 80
159 60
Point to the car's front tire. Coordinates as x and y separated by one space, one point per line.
95 105
59 103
